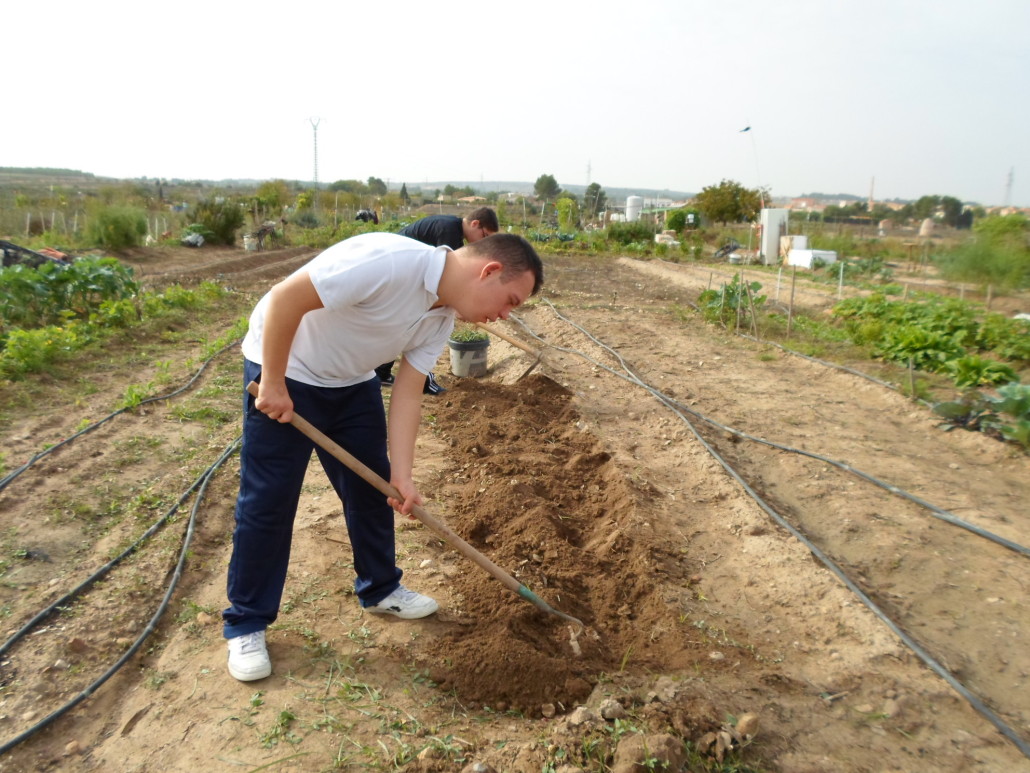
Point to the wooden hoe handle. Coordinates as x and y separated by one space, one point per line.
433 523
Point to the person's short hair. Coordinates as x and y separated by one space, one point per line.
487 219
514 253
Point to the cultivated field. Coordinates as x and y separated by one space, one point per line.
673 485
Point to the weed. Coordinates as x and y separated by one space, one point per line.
281 730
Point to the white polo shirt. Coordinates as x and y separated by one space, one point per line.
377 290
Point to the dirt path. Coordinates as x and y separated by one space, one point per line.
698 604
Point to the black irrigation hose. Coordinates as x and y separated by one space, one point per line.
200 485
828 562
938 512
4 481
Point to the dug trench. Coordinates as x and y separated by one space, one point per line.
541 496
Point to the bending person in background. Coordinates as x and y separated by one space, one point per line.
449 231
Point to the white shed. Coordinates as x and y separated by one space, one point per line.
806 258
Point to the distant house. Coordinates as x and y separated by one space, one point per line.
806 204
471 199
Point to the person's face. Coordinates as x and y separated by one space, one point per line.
491 299
477 231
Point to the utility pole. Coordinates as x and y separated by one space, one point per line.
314 126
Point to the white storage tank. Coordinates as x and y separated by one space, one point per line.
633 206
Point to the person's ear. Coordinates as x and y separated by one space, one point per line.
489 268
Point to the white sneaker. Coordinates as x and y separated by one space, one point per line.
405 604
248 657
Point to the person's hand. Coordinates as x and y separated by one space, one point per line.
274 401
411 497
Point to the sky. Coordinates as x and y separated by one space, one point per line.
897 98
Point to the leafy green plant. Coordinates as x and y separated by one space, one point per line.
973 371
1006 416
930 332
35 297
1008 338
734 300
923 349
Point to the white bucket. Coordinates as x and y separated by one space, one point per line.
468 358
250 243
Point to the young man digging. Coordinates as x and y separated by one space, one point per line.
452 231
313 344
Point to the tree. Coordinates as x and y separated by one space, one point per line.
404 194
947 209
682 219
729 202
376 186
348 186
546 187
273 195
594 200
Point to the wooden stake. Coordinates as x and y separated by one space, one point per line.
740 292
790 308
754 316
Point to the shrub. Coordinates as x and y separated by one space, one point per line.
220 218
116 228
628 233
997 255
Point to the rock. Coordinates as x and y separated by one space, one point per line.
747 725
477 767
665 689
659 751
77 645
547 710
581 715
612 709
203 618
61 664
72 747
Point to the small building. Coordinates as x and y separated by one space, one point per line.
808 258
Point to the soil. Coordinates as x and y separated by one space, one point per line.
623 480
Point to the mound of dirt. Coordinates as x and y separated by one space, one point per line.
538 494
